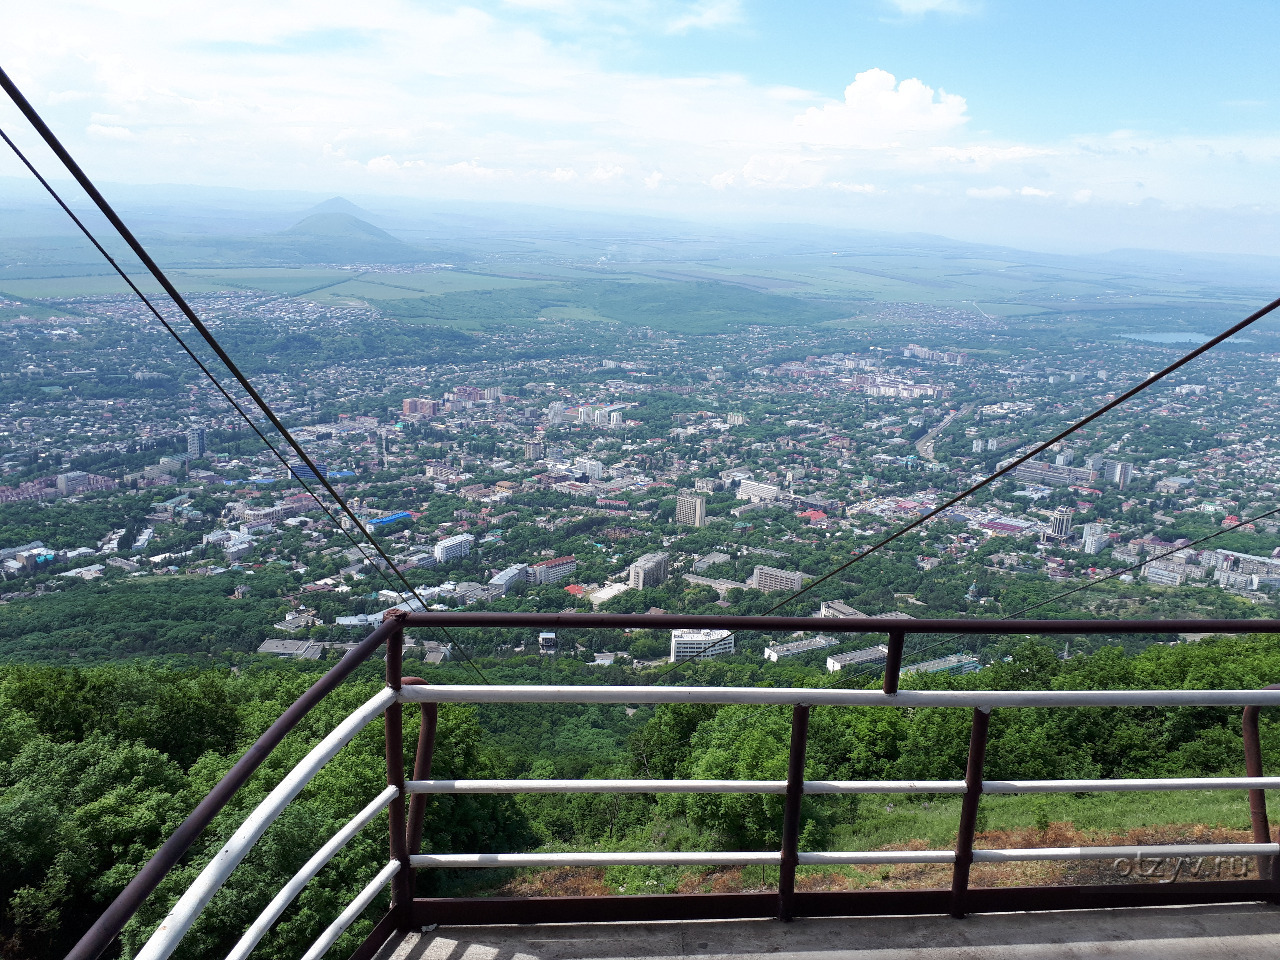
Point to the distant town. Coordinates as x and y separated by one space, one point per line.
726 471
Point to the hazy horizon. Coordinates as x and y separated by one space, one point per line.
1079 130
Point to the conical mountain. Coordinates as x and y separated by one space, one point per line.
339 226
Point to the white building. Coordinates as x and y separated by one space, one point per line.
691 510
838 661
453 547
513 574
756 491
689 644
649 571
769 579
797 647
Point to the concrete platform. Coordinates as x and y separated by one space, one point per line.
1235 931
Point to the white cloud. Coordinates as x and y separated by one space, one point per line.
916 8
434 99
878 111
707 15
109 132
989 193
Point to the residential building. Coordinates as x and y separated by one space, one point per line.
756 491
776 652
552 571
516 573
691 510
547 644
696 644
649 571
593 469
838 661
955 663
453 547
534 450
770 579
838 608
196 445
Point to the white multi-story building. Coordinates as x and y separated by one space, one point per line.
453 547
777 651
552 571
690 644
838 661
754 490
517 573
769 579
691 510
649 571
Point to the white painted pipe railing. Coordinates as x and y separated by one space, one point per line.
184 913
474 693
354 909
304 876
1131 853
720 859
1131 783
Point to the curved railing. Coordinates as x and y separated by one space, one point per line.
406 827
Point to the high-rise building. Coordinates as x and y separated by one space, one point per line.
196 442
769 579
555 411
691 510
1064 458
593 469
420 406
1061 523
1095 538
1120 473
688 644
450 548
534 450
649 571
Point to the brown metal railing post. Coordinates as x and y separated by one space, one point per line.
791 811
1267 871
893 660
401 885
421 771
969 809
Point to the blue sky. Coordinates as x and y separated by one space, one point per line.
1067 126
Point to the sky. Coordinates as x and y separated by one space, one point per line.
1077 127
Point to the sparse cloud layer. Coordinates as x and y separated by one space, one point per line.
515 101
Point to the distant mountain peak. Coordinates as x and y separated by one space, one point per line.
340 205
332 225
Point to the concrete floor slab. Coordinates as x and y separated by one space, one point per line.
1235 931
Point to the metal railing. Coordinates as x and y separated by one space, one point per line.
405 799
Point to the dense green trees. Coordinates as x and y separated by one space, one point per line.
99 764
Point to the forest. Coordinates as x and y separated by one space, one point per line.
98 764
